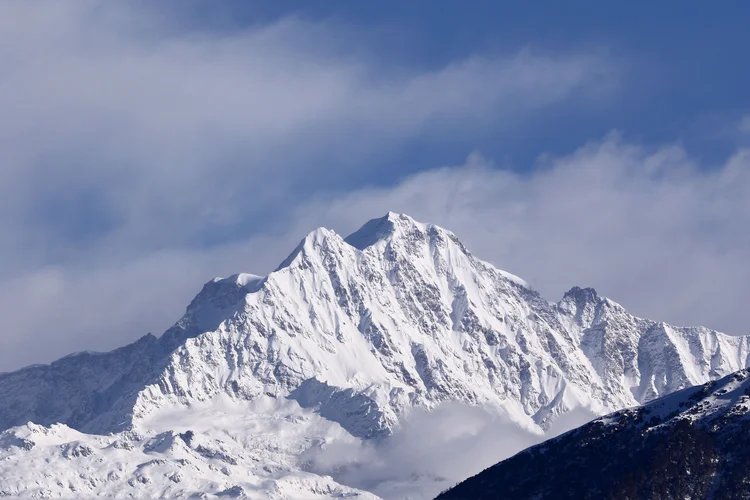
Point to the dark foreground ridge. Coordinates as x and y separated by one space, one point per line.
690 444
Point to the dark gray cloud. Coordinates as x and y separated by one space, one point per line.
139 159
118 128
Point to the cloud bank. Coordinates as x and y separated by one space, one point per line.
120 131
432 451
140 159
651 228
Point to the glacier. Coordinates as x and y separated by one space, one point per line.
344 341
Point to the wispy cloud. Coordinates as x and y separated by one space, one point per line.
744 124
432 451
134 153
111 126
650 227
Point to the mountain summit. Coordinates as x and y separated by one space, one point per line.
359 331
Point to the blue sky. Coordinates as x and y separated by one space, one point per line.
682 71
148 147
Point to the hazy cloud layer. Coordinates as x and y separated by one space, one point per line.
118 130
744 125
140 158
432 451
650 228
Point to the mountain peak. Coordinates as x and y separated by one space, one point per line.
242 280
582 295
359 334
314 239
379 229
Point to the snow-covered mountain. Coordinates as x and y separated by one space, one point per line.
690 444
354 333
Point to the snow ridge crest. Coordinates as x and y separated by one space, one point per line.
399 312
364 329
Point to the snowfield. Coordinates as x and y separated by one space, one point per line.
306 383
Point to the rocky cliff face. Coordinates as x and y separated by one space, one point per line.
363 329
690 444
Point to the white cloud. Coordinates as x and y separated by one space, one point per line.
152 129
650 228
129 147
432 451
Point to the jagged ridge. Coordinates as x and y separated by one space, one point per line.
398 315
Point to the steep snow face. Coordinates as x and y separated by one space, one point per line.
87 391
643 359
399 315
402 316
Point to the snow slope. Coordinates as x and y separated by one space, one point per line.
225 449
358 332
